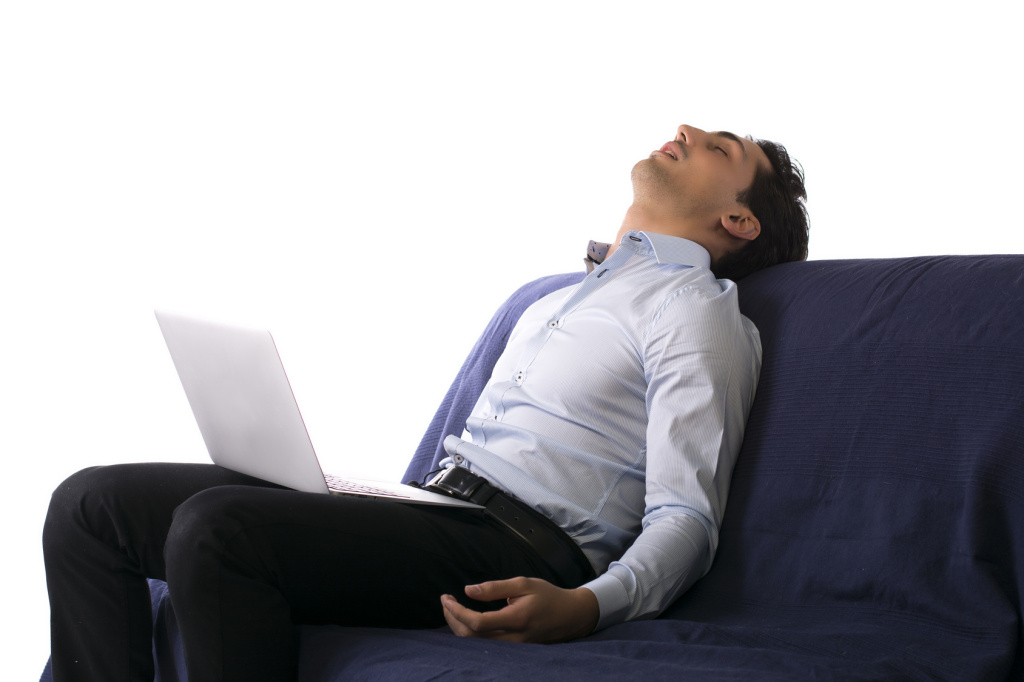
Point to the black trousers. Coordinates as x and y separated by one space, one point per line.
244 561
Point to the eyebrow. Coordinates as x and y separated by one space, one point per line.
735 138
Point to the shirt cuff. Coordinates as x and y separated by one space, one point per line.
612 600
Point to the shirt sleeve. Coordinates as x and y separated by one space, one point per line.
701 365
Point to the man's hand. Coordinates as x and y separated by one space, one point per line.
537 611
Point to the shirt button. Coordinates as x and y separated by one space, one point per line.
553 324
459 459
519 377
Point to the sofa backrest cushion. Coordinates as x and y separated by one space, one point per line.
881 480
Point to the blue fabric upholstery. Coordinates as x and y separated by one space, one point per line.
876 519
877 507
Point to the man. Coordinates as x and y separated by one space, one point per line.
609 426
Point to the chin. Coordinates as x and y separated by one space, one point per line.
644 169
650 178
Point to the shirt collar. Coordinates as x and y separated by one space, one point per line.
667 249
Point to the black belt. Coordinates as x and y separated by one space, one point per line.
549 541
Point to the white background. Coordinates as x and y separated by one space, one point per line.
371 179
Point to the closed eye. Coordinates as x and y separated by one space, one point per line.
733 138
722 149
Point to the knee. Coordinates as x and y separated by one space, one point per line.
70 506
202 529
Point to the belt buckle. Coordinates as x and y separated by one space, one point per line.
457 482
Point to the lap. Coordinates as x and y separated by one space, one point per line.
336 559
355 561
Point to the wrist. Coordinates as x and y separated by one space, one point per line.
586 605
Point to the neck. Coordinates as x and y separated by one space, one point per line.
640 217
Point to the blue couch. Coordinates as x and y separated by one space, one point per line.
876 517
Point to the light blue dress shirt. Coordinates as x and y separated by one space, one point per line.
617 410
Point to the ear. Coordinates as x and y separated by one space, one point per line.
742 225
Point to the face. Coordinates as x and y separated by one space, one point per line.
697 174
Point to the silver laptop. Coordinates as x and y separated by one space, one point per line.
246 411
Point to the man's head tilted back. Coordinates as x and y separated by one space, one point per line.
741 199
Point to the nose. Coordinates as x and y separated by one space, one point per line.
688 135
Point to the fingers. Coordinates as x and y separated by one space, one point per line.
491 625
502 589
507 623
537 611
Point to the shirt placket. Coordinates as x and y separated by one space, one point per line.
545 331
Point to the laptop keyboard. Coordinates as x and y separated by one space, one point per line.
346 486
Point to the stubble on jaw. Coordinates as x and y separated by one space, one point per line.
651 181
655 188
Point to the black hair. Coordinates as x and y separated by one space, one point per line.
777 198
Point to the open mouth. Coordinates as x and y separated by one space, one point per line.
670 149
